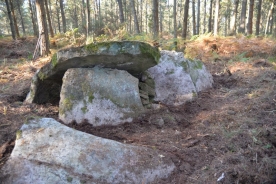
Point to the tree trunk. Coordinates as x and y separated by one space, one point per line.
204 19
76 20
250 18
33 20
121 12
147 17
174 20
210 17
42 27
62 15
216 18
198 17
51 16
58 18
174 24
10 18
194 21
258 20
269 17
243 16
141 17
136 25
88 18
49 19
21 17
100 16
185 19
160 18
83 17
14 20
155 18
271 21
233 28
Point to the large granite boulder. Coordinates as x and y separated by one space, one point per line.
99 96
49 152
177 79
132 56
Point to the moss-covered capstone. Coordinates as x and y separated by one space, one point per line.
132 56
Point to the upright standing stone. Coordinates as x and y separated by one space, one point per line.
99 96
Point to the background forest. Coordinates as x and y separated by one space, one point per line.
108 18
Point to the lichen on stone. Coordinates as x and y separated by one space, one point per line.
67 105
18 134
41 76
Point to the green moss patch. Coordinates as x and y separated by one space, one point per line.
54 60
150 51
94 47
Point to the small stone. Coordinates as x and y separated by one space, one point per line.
231 112
148 89
146 97
145 101
185 167
158 121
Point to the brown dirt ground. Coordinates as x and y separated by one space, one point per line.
228 129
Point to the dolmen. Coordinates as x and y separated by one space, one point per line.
106 83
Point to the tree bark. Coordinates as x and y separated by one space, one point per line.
141 17
160 18
271 21
121 12
204 17
10 18
14 20
33 19
147 17
198 18
216 18
155 18
58 18
174 24
185 19
136 25
174 20
42 27
258 20
250 18
76 20
210 16
194 21
269 16
243 16
49 19
88 18
62 15
83 17
233 28
21 17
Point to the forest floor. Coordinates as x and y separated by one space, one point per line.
228 133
